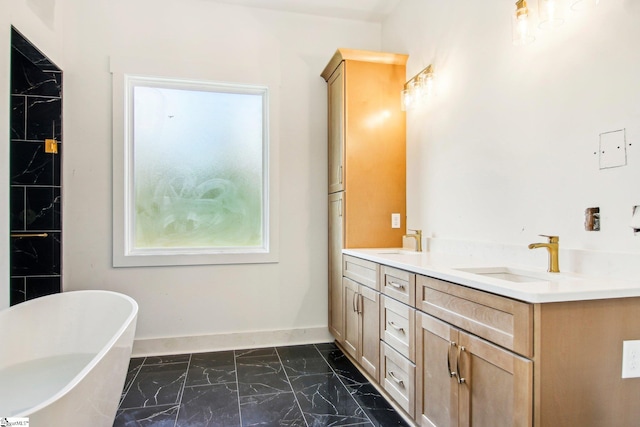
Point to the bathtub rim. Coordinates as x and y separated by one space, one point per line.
128 322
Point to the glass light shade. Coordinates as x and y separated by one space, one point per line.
580 5
522 24
405 99
425 83
551 13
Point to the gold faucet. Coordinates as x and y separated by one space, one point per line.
552 247
418 236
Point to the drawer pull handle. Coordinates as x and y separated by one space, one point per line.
461 379
396 327
396 285
395 379
451 372
353 302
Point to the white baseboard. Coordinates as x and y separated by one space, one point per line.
231 341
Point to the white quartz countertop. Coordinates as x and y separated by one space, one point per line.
541 287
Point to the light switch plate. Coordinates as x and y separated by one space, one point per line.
395 220
613 149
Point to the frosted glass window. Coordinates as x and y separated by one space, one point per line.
196 163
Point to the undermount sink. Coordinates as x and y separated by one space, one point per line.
512 274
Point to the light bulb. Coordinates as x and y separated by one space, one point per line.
523 27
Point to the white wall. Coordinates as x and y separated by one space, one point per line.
506 150
40 22
224 305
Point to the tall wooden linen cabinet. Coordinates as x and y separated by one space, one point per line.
367 160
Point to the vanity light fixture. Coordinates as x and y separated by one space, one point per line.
418 89
522 24
551 13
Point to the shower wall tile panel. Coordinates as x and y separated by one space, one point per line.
36 115
17 208
30 165
43 118
40 286
42 209
18 117
29 51
18 292
31 79
36 256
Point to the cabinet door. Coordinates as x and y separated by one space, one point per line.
336 240
369 308
436 388
351 318
497 390
336 129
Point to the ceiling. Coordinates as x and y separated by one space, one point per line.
362 10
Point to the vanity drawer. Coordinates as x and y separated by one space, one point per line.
398 284
397 377
397 326
504 321
361 271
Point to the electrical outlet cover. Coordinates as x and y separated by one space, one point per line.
395 220
631 359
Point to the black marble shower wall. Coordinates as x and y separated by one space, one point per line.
36 226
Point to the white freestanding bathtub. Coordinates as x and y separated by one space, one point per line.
64 358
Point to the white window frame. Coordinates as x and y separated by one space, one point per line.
124 252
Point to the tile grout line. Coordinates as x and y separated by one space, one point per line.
342 382
295 396
235 367
125 392
181 392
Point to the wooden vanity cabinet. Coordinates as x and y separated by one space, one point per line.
366 158
554 364
463 377
336 243
478 359
463 380
361 300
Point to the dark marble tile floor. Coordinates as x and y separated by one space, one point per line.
305 385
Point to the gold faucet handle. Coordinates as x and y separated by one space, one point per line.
418 232
552 239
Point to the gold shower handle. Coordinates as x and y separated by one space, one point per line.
23 235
